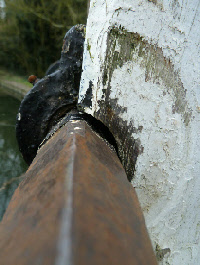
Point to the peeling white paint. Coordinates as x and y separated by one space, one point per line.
167 176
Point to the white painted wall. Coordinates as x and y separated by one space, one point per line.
167 176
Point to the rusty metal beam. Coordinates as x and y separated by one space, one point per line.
75 207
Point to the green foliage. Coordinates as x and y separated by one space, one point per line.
31 32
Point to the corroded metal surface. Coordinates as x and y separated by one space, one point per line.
75 206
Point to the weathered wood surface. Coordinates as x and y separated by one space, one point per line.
75 206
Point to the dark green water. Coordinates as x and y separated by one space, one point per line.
11 162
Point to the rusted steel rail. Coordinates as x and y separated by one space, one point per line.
75 207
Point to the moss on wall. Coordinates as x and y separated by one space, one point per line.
123 46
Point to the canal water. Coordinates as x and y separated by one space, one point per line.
11 162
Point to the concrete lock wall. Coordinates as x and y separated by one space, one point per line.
141 78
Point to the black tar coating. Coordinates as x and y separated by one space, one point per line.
87 101
53 67
52 97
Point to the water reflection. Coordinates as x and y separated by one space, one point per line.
11 162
